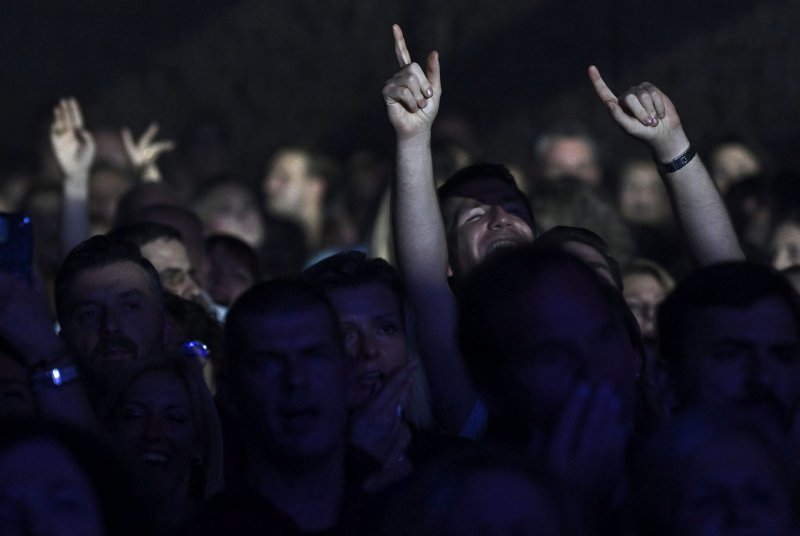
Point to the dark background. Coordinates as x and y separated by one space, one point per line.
312 71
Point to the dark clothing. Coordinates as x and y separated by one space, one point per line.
245 512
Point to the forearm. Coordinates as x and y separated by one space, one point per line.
419 231
422 257
698 206
75 226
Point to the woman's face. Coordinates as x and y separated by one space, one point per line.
43 491
156 433
785 246
642 196
374 333
643 293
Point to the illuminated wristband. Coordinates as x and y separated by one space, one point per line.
678 163
55 377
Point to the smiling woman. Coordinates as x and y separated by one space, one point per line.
162 421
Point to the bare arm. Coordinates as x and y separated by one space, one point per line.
412 101
647 114
74 150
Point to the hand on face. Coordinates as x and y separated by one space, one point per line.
377 426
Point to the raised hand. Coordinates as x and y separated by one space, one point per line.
645 113
144 153
72 144
411 95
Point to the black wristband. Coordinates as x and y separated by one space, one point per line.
678 163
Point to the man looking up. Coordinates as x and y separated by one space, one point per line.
423 239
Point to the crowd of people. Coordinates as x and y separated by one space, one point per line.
454 347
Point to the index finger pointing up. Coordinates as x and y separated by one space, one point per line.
400 48
600 87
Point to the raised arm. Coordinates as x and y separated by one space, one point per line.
647 114
412 101
74 149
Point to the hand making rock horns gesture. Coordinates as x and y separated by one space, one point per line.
411 95
645 113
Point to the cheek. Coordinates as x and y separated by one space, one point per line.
183 437
395 352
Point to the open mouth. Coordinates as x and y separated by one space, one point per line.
500 244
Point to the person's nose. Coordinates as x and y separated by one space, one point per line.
112 323
295 373
499 217
153 431
369 349
191 290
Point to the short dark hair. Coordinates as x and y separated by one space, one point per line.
484 170
236 249
736 285
96 252
268 298
353 269
141 233
556 236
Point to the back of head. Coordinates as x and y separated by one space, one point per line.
141 196
141 233
540 309
559 235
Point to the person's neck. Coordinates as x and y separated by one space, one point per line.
313 224
310 493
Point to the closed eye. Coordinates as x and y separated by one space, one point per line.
474 214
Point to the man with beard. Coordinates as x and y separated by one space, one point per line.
730 335
110 304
